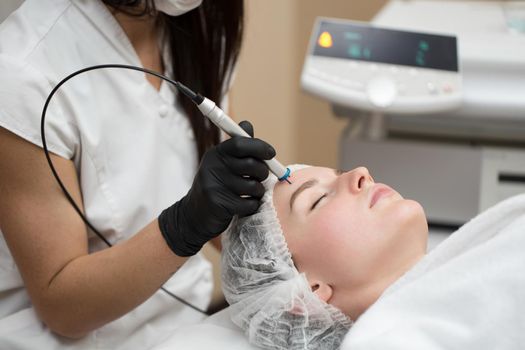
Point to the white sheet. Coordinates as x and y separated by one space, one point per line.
468 293
217 332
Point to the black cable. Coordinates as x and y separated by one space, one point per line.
55 174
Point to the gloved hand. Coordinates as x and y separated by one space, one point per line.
228 173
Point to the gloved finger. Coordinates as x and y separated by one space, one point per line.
242 186
236 205
247 206
247 126
251 167
242 147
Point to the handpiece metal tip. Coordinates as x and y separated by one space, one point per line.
286 175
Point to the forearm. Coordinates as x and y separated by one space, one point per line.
95 289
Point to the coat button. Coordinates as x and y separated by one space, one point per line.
163 111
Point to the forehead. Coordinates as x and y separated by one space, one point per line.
283 189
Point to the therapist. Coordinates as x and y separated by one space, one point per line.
127 148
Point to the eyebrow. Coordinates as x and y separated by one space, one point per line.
304 186
308 184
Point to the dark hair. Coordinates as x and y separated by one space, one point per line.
204 46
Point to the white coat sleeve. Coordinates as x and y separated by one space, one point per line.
23 91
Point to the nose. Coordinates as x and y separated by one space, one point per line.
357 179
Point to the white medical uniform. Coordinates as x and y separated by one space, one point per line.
133 148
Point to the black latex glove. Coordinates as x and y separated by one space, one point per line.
228 173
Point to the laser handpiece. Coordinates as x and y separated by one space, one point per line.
226 124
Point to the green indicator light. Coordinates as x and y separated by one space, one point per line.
353 36
354 51
420 58
423 45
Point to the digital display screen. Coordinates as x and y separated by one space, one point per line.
365 43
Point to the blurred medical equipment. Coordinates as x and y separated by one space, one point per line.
367 67
269 299
442 123
515 15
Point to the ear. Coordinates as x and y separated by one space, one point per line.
323 290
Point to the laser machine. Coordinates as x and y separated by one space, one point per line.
434 92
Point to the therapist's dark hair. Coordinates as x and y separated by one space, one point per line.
204 46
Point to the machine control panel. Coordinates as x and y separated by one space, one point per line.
358 65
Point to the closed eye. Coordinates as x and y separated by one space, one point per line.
317 201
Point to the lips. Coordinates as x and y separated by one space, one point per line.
379 191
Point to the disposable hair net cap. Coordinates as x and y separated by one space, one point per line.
269 299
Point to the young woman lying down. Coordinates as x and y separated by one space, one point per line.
336 260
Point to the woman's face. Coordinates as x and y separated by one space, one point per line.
349 234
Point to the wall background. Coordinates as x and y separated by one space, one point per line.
267 87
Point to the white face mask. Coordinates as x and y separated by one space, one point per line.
176 7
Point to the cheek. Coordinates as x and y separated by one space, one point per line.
342 241
396 236
351 237
330 240
342 226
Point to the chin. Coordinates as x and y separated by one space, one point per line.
410 219
408 241
410 210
